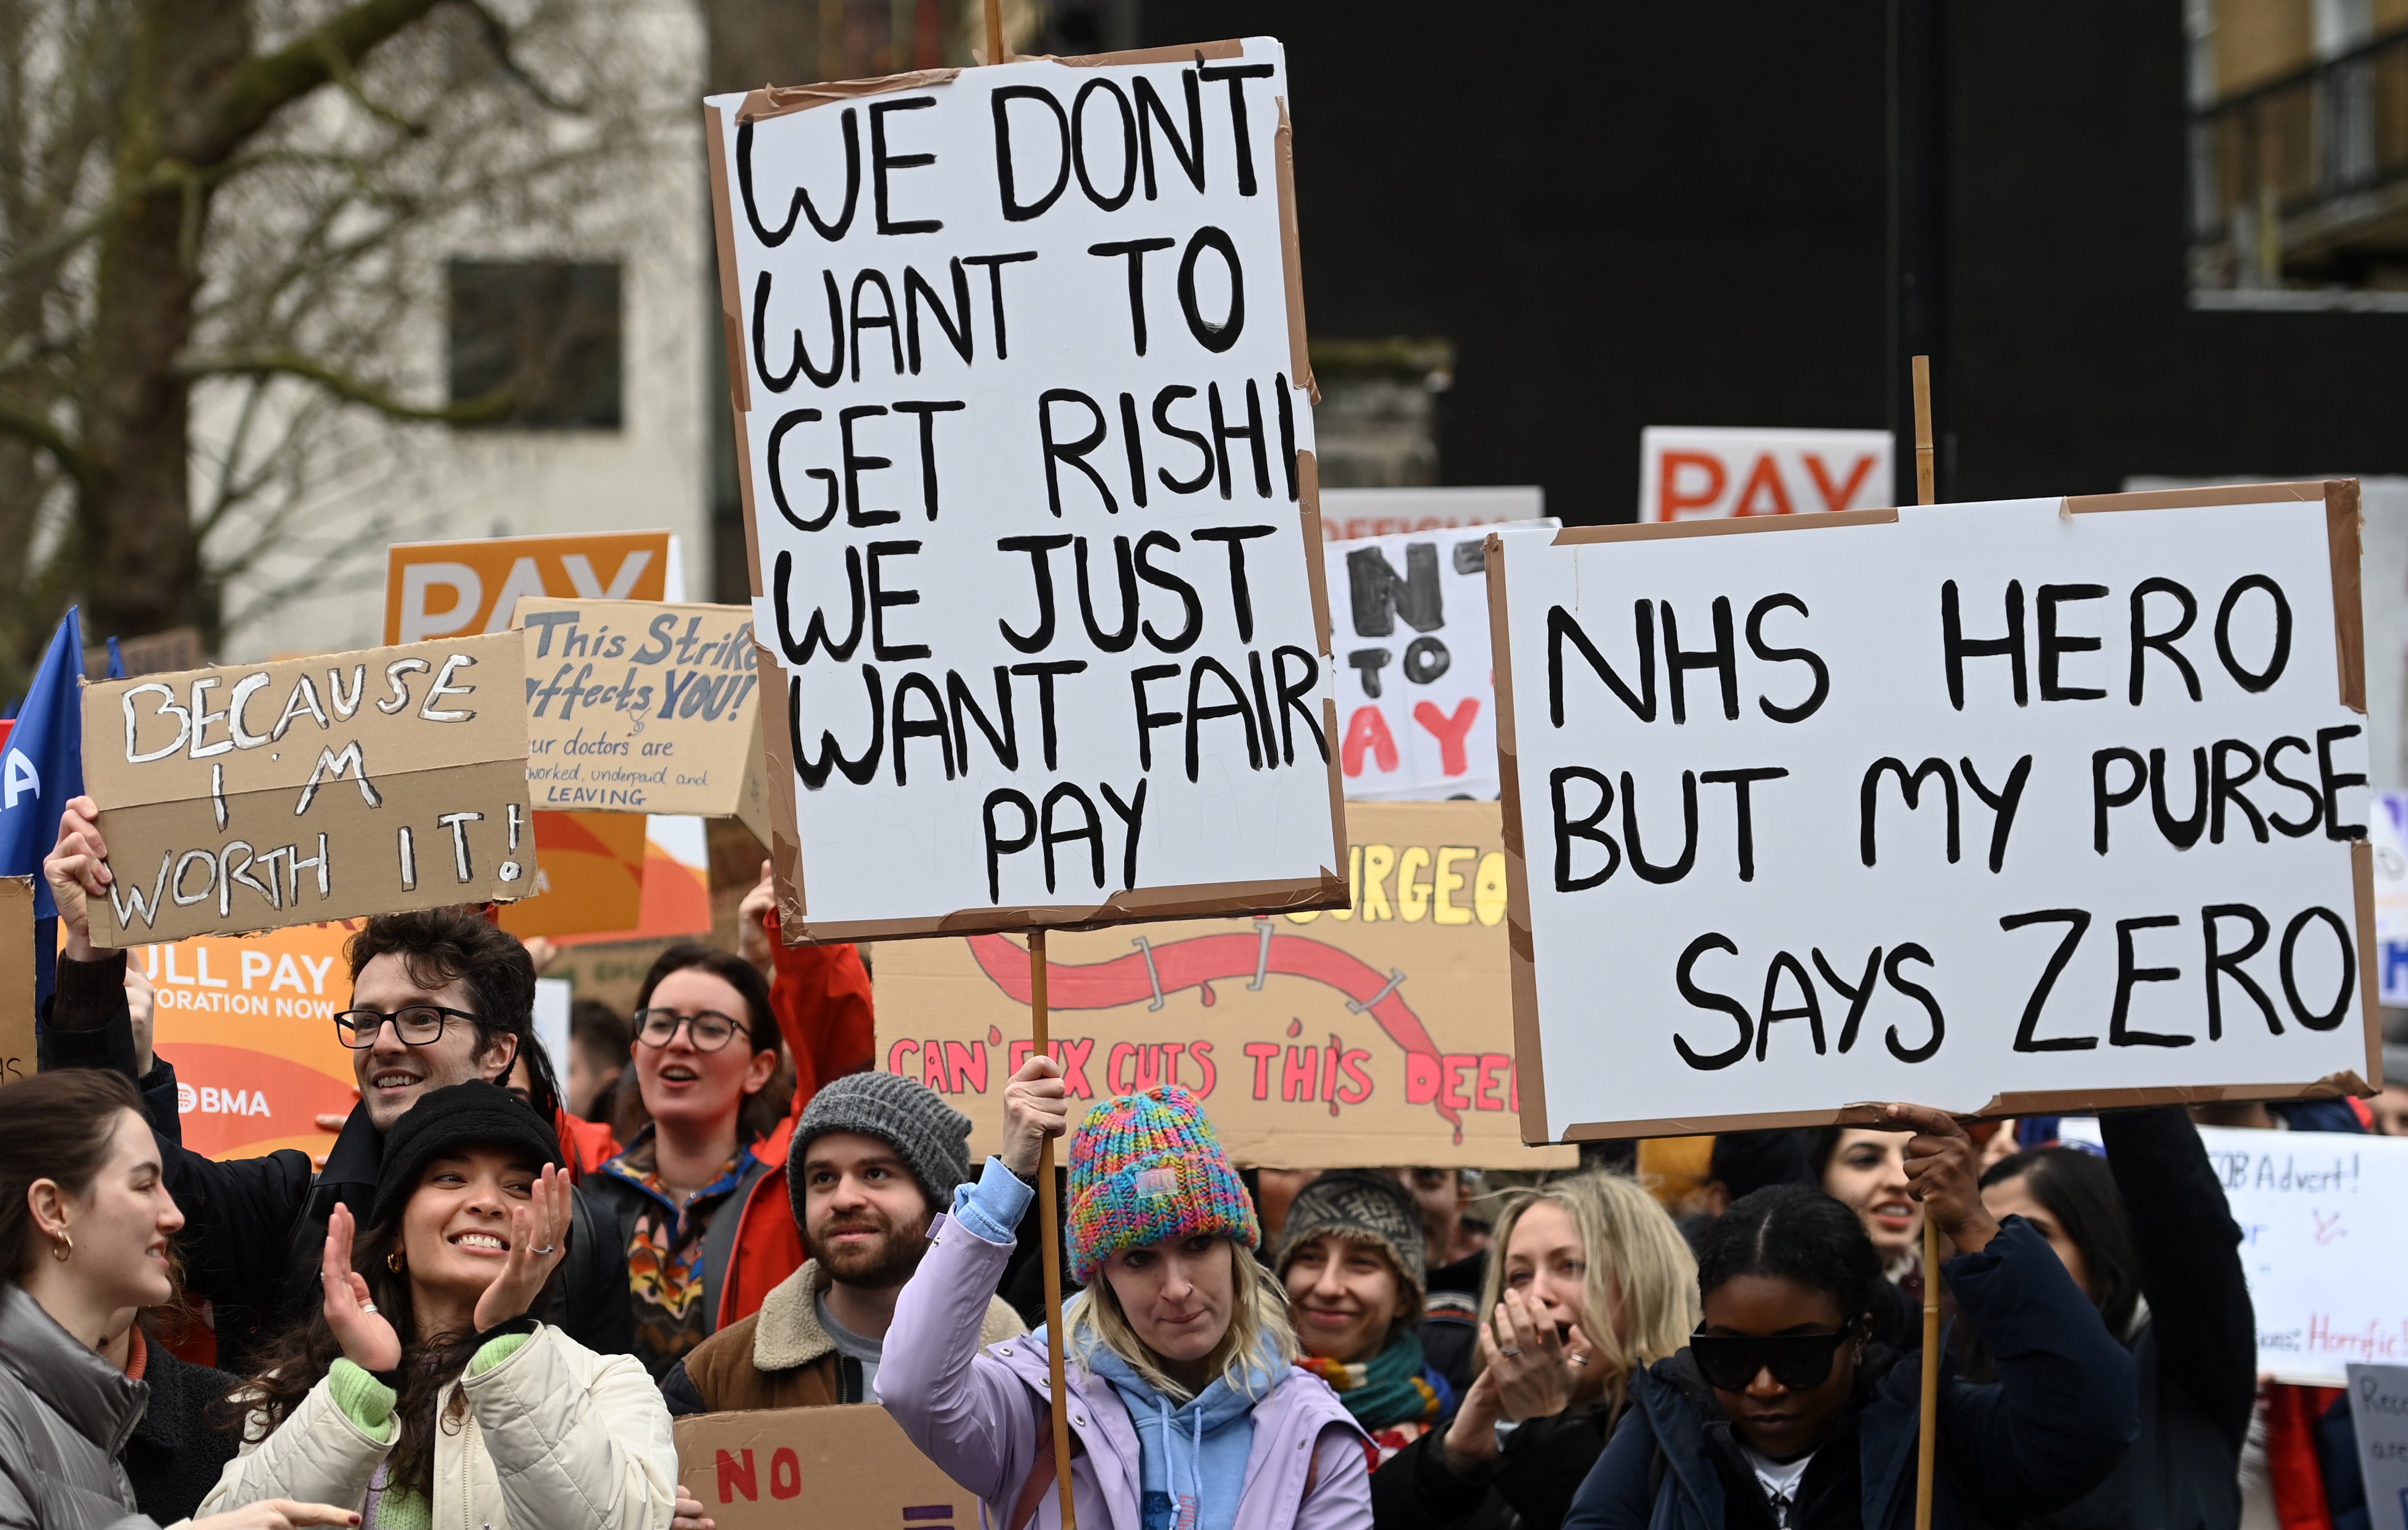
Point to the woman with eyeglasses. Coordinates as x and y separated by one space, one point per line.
1783 1413
1589 1280
700 1190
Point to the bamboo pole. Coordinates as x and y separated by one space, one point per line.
1049 1207
1927 1435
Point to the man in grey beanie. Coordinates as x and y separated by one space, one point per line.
875 1157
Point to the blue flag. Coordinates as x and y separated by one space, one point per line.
42 765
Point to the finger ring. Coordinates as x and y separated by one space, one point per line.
1511 1355
547 1250
367 1307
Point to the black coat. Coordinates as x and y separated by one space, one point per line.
2052 1427
2196 1358
1537 1470
173 1455
255 1229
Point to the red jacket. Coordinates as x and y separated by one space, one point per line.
822 997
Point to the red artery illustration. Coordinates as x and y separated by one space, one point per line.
1202 961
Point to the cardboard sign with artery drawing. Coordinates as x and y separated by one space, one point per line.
1372 1035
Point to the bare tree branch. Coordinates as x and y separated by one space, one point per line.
244 101
497 38
48 437
352 390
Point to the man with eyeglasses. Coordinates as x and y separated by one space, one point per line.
439 996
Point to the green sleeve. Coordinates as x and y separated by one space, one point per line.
367 1401
496 1350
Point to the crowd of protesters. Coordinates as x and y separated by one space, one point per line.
487 1302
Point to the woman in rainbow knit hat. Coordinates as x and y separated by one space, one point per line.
1186 1408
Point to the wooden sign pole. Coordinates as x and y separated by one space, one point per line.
1049 1209
1049 1199
1927 1437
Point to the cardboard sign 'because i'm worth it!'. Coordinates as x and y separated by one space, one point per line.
2006 808
1022 401
253 796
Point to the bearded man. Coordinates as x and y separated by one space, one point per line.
875 1157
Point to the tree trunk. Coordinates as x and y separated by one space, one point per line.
145 568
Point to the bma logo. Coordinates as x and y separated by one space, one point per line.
209 1100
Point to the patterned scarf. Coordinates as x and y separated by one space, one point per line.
1393 1387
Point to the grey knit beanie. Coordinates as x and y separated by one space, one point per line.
1368 1207
932 1137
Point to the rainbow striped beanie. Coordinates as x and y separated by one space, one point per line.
1147 1169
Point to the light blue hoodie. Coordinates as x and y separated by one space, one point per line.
1191 1458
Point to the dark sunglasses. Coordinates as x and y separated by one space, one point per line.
1797 1361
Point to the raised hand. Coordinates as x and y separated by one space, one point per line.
752 941
1470 1442
366 1334
539 1238
1036 1105
1942 1172
77 869
1519 1346
688 1514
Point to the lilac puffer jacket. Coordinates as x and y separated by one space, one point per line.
981 1415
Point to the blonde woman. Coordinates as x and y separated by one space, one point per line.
1589 1281
1186 1408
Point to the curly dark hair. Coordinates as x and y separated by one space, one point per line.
762 1109
440 946
298 1362
1794 1234
2079 1191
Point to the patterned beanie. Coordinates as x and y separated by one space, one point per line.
1366 1207
1147 1169
931 1137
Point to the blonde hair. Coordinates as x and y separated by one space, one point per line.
1257 1322
1633 1252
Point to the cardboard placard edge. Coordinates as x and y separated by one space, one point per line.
1522 971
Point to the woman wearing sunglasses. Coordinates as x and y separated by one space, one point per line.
700 1191
1784 1414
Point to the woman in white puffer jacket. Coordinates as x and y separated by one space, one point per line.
421 1393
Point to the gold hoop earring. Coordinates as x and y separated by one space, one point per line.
392 1261
62 1246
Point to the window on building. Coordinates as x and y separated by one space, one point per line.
2299 153
541 336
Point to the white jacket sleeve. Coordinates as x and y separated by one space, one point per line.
316 1456
573 1454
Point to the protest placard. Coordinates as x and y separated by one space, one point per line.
1700 473
447 589
2386 831
1416 694
2322 1243
253 796
851 1463
2378 1411
250 1024
637 706
2004 808
594 867
1023 404
17 1059
1376 1033
1349 515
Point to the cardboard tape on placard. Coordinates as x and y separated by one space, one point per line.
786 100
2362 868
1228 48
1308 489
2193 499
731 287
1656 531
1292 257
2342 537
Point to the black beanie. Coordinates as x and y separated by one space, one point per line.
453 1120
